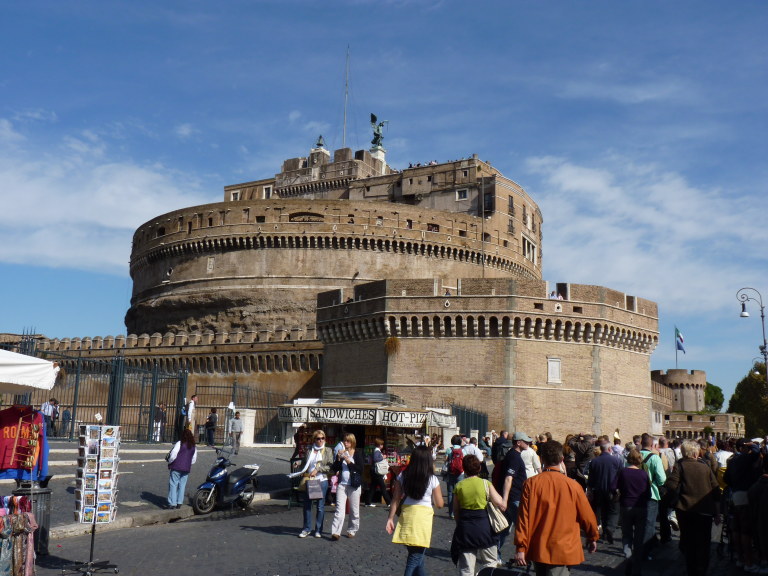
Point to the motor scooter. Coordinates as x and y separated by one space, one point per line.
222 487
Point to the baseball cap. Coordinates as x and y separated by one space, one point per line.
522 436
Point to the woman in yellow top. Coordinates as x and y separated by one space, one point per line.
474 542
419 489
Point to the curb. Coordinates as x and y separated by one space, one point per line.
147 518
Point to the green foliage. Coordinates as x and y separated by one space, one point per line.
713 398
750 400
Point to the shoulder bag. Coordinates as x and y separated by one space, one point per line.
498 521
382 466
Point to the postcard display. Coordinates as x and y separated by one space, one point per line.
96 492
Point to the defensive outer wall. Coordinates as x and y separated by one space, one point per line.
500 346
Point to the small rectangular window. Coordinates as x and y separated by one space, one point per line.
466 173
261 219
463 233
235 195
267 192
462 194
409 224
511 206
433 228
429 178
511 226
246 215
553 371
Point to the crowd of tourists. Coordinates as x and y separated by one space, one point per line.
554 500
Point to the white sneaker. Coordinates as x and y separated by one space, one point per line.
673 523
318 535
371 505
304 534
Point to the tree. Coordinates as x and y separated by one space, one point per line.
750 400
713 398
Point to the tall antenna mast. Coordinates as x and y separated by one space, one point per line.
346 95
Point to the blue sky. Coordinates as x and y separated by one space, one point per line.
639 128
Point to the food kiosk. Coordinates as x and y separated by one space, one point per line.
400 427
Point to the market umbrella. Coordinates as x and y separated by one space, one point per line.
19 373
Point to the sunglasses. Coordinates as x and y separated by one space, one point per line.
320 438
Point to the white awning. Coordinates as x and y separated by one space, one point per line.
19 373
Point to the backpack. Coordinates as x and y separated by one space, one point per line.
504 450
456 465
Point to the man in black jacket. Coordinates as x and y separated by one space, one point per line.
603 483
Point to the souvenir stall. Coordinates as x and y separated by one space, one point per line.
399 427
24 514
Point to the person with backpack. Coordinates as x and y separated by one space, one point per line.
454 455
653 465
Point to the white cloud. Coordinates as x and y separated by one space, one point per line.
80 207
35 115
657 90
8 136
185 131
645 231
294 115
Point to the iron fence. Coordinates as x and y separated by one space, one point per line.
267 428
466 418
124 396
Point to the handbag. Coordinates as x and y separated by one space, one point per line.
498 521
168 456
355 479
314 489
382 467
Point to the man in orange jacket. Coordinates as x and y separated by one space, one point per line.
552 509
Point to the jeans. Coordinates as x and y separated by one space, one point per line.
320 505
450 482
209 435
177 484
511 515
650 526
414 564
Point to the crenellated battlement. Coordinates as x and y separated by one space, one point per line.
175 339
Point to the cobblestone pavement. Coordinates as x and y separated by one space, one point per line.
143 473
263 541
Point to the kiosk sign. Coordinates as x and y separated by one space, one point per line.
400 419
364 416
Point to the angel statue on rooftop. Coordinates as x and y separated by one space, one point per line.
378 136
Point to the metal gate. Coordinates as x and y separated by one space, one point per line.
124 396
267 428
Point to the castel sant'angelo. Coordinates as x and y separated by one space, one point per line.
342 274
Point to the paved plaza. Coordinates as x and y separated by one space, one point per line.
262 540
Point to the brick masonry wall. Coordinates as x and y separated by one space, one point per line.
601 389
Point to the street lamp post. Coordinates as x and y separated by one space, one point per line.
745 295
